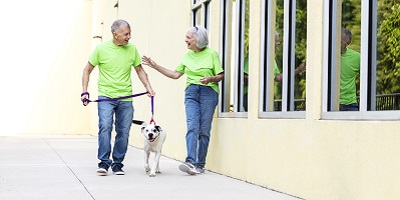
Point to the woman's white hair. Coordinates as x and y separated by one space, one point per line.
201 36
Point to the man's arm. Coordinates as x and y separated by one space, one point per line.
85 80
144 79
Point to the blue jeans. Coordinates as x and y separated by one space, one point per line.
200 103
123 111
349 107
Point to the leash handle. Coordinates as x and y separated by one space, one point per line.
84 100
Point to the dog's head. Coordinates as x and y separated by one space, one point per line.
150 131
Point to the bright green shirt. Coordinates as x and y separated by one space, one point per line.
246 71
349 68
276 69
199 65
115 65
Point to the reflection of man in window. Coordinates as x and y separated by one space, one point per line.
277 73
349 69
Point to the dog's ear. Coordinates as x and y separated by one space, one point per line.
158 128
137 122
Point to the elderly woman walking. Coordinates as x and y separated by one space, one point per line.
203 69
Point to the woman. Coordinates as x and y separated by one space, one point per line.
203 70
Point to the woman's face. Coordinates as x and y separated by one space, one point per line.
191 41
277 41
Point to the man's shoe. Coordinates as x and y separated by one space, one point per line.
102 170
117 170
189 168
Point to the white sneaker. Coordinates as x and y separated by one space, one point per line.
188 168
102 171
200 170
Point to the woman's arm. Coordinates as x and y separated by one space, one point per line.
168 73
214 79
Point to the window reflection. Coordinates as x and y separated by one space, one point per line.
388 56
246 56
293 57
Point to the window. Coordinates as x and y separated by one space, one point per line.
283 63
374 28
201 13
235 57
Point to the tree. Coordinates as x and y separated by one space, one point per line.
388 48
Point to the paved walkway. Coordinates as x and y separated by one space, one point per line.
58 167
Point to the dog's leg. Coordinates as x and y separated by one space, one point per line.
146 160
156 164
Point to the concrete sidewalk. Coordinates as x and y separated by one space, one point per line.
57 167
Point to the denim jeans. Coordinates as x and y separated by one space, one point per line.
350 107
123 111
200 103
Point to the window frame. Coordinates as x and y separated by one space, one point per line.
267 42
204 6
367 74
225 55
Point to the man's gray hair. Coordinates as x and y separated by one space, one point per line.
201 36
118 24
347 33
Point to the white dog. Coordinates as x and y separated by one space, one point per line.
154 137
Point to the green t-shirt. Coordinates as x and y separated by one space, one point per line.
349 68
199 65
276 69
246 71
115 65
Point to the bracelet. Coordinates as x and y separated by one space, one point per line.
85 93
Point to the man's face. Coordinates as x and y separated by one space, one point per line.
122 36
344 41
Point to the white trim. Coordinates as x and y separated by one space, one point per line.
285 64
283 115
361 115
325 57
265 61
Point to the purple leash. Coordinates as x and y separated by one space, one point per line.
152 111
124 97
111 99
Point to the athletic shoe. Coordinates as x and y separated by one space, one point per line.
102 170
200 170
117 170
188 168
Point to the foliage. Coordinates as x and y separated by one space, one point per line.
388 35
388 63
300 44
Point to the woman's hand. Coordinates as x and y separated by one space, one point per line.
149 62
206 80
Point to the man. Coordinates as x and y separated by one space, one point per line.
278 76
115 59
349 69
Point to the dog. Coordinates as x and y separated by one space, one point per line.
154 138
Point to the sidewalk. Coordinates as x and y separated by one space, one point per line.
58 167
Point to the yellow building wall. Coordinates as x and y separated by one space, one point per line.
44 48
309 158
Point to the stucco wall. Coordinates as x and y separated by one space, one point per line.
309 158
45 45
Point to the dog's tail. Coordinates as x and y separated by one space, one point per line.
137 122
